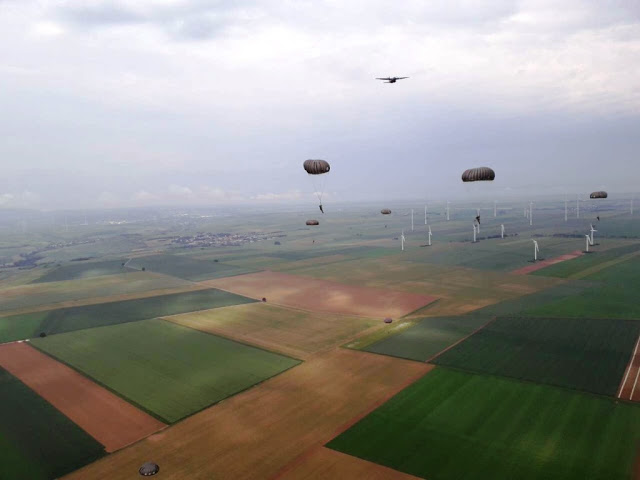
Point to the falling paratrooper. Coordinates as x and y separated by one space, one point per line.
316 169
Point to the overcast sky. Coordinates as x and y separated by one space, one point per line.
142 102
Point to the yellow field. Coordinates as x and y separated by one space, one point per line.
292 332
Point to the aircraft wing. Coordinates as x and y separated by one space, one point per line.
400 78
387 78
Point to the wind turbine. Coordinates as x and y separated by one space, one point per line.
425 214
592 230
588 239
429 235
530 213
502 230
535 251
447 210
402 240
474 232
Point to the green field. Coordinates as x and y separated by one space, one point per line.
580 264
36 440
28 325
77 270
584 354
428 337
38 294
169 370
614 295
185 267
453 425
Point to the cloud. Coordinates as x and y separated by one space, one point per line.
277 197
180 191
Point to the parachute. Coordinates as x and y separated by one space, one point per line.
480 174
598 195
149 469
313 222
385 211
317 170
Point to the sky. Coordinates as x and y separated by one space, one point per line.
192 102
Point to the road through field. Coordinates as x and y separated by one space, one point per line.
630 386
106 417
257 433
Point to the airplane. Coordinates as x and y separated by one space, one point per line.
391 79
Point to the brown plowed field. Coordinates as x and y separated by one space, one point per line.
257 433
630 386
322 295
324 463
296 333
545 263
106 417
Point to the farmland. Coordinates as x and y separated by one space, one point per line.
73 271
323 296
26 297
292 332
428 337
175 372
584 354
488 423
62 320
257 433
106 417
186 267
38 442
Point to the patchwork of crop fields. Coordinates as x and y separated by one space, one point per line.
285 330
169 370
584 354
29 325
452 424
186 267
428 337
73 271
36 441
35 295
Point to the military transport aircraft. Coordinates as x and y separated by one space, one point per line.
391 79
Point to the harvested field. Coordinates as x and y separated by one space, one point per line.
257 433
545 263
428 337
30 325
26 297
451 424
188 268
580 353
106 417
37 442
459 290
629 387
293 332
323 296
169 370
324 463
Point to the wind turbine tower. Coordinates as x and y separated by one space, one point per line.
565 210
447 210
592 230
474 233
425 214
530 213
495 209
402 240
502 231
535 251
588 239
631 206
578 207
412 219
429 235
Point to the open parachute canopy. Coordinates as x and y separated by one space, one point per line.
480 174
600 194
316 167
385 211
313 222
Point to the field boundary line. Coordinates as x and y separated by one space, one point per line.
344 427
601 266
633 355
493 319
